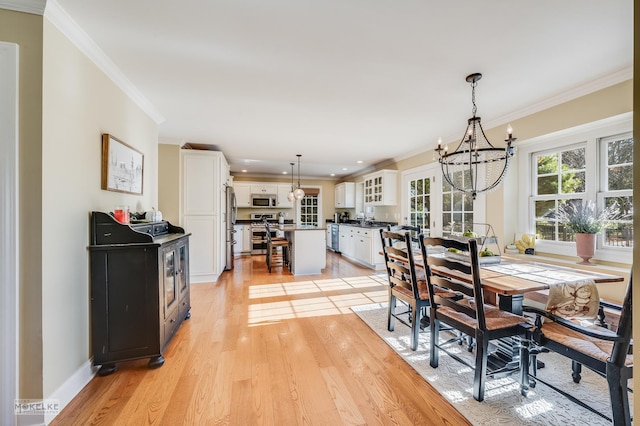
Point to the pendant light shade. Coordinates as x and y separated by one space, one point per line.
298 193
291 196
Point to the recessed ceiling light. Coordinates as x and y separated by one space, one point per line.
332 174
359 161
345 169
244 171
284 173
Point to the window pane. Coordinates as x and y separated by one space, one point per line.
545 208
620 177
468 203
546 230
457 201
419 190
573 160
564 233
446 202
412 204
446 222
620 152
548 185
427 186
419 203
547 164
573 182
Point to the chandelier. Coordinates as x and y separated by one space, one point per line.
476 165
298 193
291 196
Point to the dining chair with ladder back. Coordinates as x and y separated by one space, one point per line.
278 250
403 282
468 313
606 352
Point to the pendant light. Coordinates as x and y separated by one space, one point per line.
291 196
298 193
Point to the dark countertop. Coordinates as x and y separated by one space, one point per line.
368 224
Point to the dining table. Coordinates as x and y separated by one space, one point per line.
505 282
508 281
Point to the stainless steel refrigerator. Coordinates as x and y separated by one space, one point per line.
230 220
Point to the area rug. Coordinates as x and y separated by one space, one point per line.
503 404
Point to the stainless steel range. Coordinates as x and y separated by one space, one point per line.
259 231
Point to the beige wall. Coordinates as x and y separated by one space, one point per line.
26 30
65 105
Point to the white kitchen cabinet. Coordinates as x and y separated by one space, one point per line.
345 195
345 240
242 237
362 245
202 188
283 193
246 239
243 194
264 188
237 237
380 188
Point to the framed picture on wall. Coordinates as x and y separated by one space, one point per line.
122 166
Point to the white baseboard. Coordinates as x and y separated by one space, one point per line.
72 386
203 278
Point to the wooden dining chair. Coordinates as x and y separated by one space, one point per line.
468 313
278 250
403 282
602 350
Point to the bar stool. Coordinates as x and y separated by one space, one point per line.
278 250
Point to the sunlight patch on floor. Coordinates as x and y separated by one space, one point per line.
270 312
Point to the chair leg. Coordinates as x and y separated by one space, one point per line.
435 337
617 381
391 312
524 365
415 325
576 368
480 374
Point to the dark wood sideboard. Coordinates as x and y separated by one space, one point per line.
139 289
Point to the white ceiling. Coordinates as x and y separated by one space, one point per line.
345 80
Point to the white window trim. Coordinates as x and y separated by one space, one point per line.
591 133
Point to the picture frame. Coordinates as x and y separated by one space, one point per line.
122 166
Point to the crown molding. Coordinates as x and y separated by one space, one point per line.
70 28
35 7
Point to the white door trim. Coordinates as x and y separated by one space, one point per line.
9 222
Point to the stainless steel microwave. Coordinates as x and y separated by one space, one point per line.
264 201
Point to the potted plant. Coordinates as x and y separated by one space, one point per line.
586 221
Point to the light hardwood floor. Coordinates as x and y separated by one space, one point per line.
270 349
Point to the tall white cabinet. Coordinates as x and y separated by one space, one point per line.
204 176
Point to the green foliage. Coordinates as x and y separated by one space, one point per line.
584 218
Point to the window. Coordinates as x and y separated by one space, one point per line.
309 208
457 207
420 202
559 177
432 204
590 162
617 173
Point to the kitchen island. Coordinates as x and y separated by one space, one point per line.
308 248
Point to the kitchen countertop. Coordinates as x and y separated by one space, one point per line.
359 224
